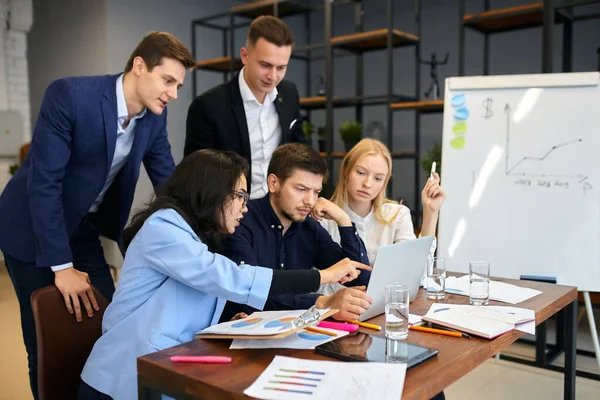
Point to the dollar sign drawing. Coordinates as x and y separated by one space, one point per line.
487 104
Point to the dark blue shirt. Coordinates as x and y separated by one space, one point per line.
259 241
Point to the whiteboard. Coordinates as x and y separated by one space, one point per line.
521 169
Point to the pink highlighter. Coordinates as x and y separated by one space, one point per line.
340 326
201 359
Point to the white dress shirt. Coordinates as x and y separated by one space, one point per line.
264 133
375 234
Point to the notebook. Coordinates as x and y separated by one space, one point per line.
476 320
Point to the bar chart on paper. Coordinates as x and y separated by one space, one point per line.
293 378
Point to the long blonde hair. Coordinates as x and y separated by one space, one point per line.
363 148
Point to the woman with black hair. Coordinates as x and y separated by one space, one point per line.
174 283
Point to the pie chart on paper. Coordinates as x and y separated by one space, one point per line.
246 322
279 322
307 335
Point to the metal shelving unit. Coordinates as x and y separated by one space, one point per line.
386 39
546 14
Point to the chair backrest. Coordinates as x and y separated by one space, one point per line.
63 344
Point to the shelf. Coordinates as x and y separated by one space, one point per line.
221 64
427 106
508 19
373 40
395 155
319 102
265 7
318 52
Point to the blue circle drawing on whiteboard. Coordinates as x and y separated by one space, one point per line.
461 113
312 335
458 100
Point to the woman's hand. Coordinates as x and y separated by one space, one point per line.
240 315
432 195
343 271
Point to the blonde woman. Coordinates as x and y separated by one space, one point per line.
360 192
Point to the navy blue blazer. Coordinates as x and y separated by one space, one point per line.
72 149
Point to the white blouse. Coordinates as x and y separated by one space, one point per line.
374 234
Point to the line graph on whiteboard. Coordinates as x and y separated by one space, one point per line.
531 166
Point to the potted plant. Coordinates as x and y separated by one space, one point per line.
322 133
351 132
435 154
308 130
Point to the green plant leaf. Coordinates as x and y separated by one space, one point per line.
12 169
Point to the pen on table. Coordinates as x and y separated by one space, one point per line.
317 330
201 359
365 325
436 326
433 165
438 331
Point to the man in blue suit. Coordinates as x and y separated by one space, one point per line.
79 178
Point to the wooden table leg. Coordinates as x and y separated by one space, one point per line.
145 392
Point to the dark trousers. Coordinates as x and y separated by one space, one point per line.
27 278
86 392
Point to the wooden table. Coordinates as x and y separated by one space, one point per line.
456 358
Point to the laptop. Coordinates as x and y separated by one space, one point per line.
399 263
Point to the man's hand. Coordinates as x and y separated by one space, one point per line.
356 345
352 302
328 210
343 271
73 285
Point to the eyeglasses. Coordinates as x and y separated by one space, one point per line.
243 196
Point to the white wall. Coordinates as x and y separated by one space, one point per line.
15 22
68 38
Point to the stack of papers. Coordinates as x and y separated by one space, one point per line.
485 321
294 378
499 291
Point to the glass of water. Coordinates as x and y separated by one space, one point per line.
436 278
479 283
396 311
396 351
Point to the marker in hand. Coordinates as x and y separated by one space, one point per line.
433 165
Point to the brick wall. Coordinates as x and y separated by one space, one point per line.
16 17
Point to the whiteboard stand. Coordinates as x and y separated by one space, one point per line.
593 331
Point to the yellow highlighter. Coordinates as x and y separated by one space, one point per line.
365 325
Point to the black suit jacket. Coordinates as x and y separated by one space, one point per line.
217 120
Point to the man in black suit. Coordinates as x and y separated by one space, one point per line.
257 110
